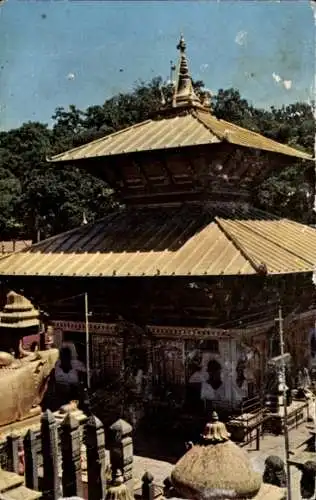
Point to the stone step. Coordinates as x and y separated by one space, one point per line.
9 480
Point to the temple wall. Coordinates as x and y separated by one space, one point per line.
177 360
178 356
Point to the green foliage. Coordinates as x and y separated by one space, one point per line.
10 190
289 193
35 196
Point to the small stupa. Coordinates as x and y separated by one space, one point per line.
219 469
17 319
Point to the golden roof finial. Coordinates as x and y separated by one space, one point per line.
184 95
181 45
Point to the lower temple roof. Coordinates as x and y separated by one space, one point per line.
191 240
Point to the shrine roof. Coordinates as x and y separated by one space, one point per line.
188 240
189 122
194 128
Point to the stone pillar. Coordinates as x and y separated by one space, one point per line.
30 457
96 464
13 453
71 457
307 483
121 450
49 437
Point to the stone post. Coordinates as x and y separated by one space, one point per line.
71 457
13 453
121 450
95 445
148 488
30 457
49 438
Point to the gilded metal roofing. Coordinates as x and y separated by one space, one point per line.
181 241
195 128
150 135
247 138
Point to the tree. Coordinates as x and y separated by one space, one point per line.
24 148
291 192
10 189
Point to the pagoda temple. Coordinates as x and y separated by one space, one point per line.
184 280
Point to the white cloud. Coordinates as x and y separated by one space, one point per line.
241 37
276 78
287 84
71 76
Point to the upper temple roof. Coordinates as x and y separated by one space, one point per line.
188 122
195 127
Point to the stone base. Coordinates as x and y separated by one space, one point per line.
12 487
31 419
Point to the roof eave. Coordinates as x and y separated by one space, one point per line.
55 160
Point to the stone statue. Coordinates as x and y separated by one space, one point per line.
23 383
308 479
274 471
23 374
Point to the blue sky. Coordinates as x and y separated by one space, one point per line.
58 52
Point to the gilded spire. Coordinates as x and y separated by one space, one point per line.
184 94
215 431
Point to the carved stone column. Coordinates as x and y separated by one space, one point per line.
121 450
13 452
49 437
95 444
30 457
71 454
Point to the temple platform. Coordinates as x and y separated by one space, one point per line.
21 426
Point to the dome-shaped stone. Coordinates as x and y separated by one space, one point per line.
217 469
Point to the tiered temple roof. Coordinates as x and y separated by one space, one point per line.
186 180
